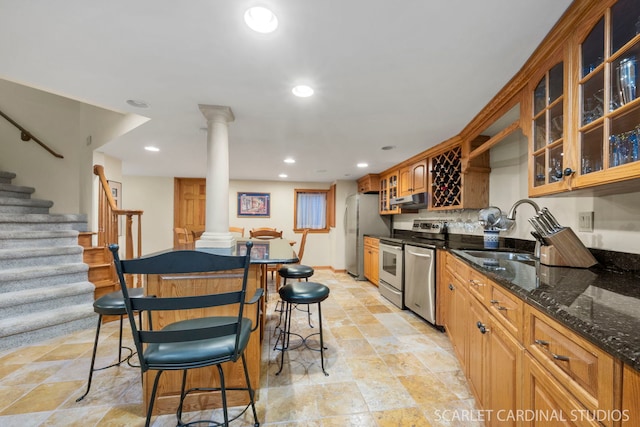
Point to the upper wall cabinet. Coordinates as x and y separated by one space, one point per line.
547 131
608 107
584 110
455 188
413 178
388 191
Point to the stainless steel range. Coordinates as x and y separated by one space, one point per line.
408 267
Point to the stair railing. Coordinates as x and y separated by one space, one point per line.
25 135
108 216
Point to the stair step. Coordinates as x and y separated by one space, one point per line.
6 177
24 206
38 238
85 239
35 327
30 257
41 299
13 222
17 191
100 272
96 255
38 277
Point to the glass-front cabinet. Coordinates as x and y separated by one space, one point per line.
548 135
585 112
609 122
388 191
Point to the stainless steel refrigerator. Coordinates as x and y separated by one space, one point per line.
362 217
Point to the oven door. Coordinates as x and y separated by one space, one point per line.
391 265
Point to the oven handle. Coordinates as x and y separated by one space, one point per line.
397 248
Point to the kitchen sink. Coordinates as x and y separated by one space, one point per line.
498 255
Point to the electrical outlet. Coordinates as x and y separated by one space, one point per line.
585 221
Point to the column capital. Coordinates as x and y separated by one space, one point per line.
214 112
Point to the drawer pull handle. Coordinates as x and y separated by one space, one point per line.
476 283
483 329
451 288
542 342
560 357
500 307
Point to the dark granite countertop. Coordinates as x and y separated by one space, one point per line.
601 303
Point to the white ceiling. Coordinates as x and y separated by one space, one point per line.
408 73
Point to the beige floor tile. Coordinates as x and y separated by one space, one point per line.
386 368
406 417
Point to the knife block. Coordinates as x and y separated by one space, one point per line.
565 249
549 255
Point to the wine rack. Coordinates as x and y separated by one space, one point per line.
446 179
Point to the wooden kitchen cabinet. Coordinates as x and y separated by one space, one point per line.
451 187
584 112
494 364
572 363
630 397
545 397
388 191
369 184
371 259
413 178
455 302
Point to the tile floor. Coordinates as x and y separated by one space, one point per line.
386 368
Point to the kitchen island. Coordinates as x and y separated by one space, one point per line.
276 251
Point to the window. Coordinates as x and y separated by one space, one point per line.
310 210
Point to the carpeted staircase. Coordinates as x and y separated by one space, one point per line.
44 287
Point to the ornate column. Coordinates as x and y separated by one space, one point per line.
217 233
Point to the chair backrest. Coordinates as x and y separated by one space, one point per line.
263 228
183 235
303 241
239 230
265 234
183 262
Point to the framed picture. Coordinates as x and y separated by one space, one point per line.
254 205
116 193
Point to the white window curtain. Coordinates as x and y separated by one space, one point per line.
311 210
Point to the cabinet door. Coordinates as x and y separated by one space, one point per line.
366 261
419 177
457 318
375 265
503 375
550 404
479 327
405 184
608 116
630 397
547 160
388 191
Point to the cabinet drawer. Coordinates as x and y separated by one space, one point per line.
508 309
585 370
479 287
458 268
371 241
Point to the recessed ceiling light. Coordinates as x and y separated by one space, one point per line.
363 165
302 91
151 148
388 147
283 175
289 160
261 19
137 103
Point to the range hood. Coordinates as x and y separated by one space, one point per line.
414 201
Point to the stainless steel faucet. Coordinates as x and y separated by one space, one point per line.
512 211
512 216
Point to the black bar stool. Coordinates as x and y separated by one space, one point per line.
111 304
301 293
293 271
